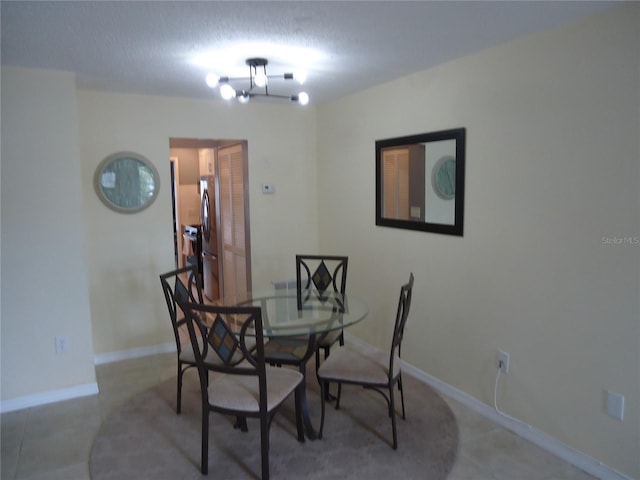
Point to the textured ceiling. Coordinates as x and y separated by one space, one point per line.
167 47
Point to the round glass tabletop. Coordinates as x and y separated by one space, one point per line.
288 314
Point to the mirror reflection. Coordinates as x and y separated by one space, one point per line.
420 182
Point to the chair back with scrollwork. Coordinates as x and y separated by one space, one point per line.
319 275
188 278
402 314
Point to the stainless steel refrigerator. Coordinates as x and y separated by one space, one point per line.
208 218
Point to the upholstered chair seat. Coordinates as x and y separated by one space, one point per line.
242 393
377 370
350 365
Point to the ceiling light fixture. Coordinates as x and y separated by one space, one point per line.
258 83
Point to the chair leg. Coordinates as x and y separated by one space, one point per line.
327 394
241 424
401 395
338 396
299 426
323 386
392 407
204 454
264 446
179 390
317 364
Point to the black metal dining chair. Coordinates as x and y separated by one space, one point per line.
316 276
186 357
378 371
244 386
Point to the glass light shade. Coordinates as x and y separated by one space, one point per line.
300 76
260 79
212 80
303 98
244 98
227 92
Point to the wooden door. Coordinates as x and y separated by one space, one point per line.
396 183
234 220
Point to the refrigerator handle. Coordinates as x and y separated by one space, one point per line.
205 215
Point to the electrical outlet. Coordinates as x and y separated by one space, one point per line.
62 344
503 361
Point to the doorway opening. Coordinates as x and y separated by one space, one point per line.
211 212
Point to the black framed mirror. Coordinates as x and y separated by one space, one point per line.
420 182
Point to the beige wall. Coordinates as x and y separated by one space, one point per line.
69 263
44 269
553 166
126 253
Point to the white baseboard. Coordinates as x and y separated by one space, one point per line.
82 390
48 397
133 353
537 437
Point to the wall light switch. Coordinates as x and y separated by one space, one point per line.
268 188
615 405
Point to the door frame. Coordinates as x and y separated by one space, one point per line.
194 143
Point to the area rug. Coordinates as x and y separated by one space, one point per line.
145 439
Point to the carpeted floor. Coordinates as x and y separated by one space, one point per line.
145 439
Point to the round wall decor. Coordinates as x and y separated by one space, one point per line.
444 177
126 182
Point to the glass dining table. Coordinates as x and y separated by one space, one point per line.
300 320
